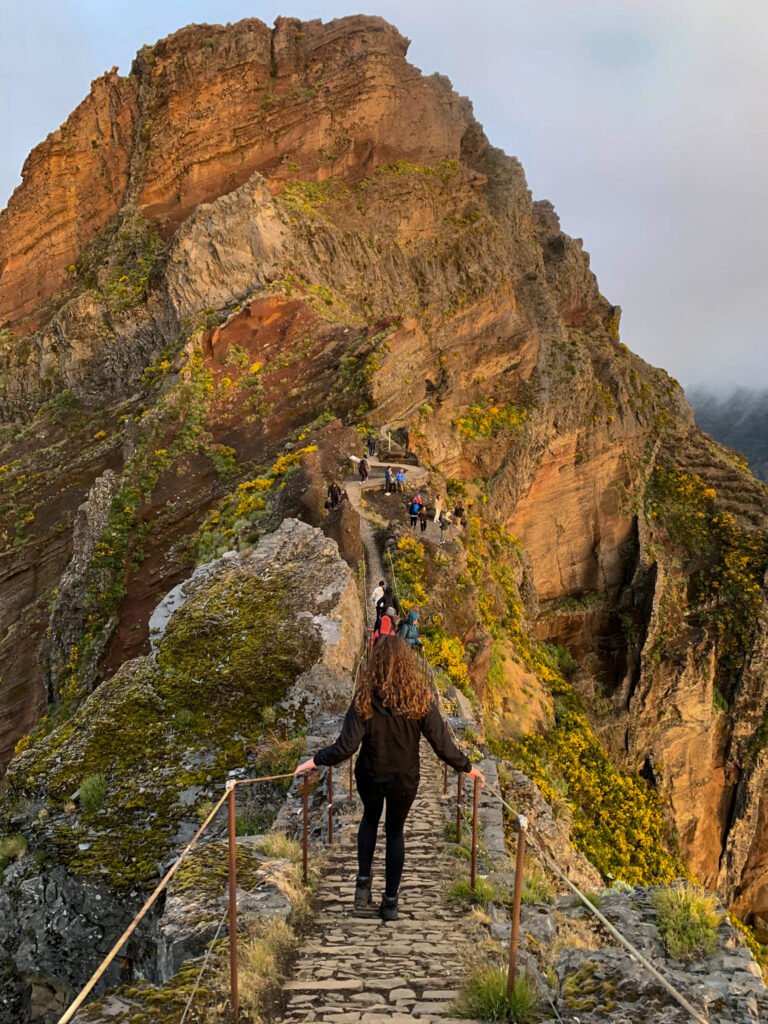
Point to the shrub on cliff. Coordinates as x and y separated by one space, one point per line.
688 920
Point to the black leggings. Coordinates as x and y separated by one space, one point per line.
373 794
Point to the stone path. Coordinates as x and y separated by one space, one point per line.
357 969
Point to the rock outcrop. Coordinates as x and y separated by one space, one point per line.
257 641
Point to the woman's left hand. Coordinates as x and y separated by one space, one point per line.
307 766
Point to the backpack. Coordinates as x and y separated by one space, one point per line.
402 629
385 629
414 509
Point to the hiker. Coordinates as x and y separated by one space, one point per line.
389 480
459 515
343 496
438 507
387 626
418 499
445 526
413 512
371 446
408 629
391 710
334 494
400 479
363 469
387 600
378 592
423 518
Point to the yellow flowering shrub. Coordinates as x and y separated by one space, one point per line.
447 652
408 560
617 820
284 462
486 421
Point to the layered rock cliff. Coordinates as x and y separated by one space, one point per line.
262 232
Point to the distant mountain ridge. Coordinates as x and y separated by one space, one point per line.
739 420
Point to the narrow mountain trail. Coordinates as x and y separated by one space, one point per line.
353 968
416 476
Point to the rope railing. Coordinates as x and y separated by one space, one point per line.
610 928
228 797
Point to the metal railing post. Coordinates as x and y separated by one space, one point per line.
475 807
514 938
459 786
330 806
233 986
305 824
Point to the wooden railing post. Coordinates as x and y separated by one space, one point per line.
305 825
475 808
459 786
330 806
233 984
514 938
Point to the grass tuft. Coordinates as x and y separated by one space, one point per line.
262 964
484 996
11 848
688 920
537 888
462 892
93 792
278 844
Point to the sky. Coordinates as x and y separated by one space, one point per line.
645 123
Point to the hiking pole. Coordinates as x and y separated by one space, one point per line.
459 785
330 806
304 824
473 863
233 986
514 939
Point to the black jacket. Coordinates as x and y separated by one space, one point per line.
390 745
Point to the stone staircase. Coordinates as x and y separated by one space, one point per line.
353 968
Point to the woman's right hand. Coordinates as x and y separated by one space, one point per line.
475 773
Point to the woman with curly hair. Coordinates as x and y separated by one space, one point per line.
391 710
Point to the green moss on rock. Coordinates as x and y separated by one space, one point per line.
229 653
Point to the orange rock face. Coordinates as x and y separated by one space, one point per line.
200 112
73 185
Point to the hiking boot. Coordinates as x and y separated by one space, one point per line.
388 909
362 893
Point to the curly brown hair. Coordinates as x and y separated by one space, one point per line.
393 676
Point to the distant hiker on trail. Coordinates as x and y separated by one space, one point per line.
459 515
445 525
418 499
390 712
343 496
387 625
378 592
413 512
438 507
408 630
423 518
389 480
371 442
387 600
400 479
363 469
334 494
